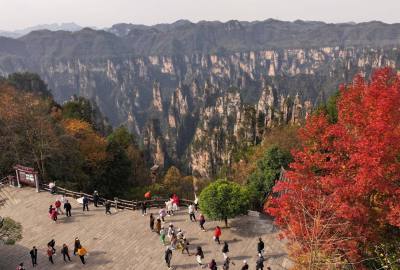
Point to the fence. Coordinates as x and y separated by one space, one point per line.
116 202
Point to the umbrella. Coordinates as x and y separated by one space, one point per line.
147 195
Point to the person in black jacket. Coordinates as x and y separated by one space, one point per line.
168 256
33 254
51 245
144 209
77 244
108 207
260 246
95 198
225 250
65 252
67 207
245 265
260 262
85 203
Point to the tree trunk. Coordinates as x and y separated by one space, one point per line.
226 222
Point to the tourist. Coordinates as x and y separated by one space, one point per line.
67 207
185 245
162 236
175 203
260 246
95 198
144 208
199 256
58 207
217 234
33 254
168 205
227 262
225 250
202 220
191 213
171 231
50 255
260 262
174 241
152 222
52 186
158 226
81 253
168 256
108 207
51 245
77 244
21 266
51 209
85 202
65 252
212 265
163 214
54 215
196 203
245 265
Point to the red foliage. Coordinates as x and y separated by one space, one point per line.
352 166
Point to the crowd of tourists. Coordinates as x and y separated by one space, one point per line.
51 252
172 237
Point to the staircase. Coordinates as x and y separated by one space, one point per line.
7 194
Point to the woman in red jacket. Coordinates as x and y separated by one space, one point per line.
217 234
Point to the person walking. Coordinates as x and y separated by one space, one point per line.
225 250
152 220
191 213
108 207
217 234
245 266
67 207
168 205
158 226
196 203
227 262
168 257
50 255
65 252
199 256
163 214
51 209
162 236
57 204
144 208
212 265
85 202
51 245
33 254
260 262
77 244
54 215
202 220
260 246
95 198
185 245
81 253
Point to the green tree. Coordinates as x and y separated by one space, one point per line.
224 199
10 231
268 168
117 167
29 82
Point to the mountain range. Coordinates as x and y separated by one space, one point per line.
196 93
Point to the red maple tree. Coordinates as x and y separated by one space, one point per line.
343 187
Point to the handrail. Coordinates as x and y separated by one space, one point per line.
117 203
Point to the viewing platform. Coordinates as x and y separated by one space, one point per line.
123 240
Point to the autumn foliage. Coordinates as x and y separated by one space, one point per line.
343 189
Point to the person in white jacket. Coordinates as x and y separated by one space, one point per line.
191 213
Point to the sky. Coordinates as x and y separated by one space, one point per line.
18 14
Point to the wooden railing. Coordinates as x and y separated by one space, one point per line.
116 202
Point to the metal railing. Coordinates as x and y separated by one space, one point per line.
116 202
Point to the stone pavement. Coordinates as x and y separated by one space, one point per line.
124 240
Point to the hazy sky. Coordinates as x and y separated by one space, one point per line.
17 14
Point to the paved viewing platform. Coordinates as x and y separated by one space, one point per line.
123 240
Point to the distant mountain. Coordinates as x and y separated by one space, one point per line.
197 93
71 27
